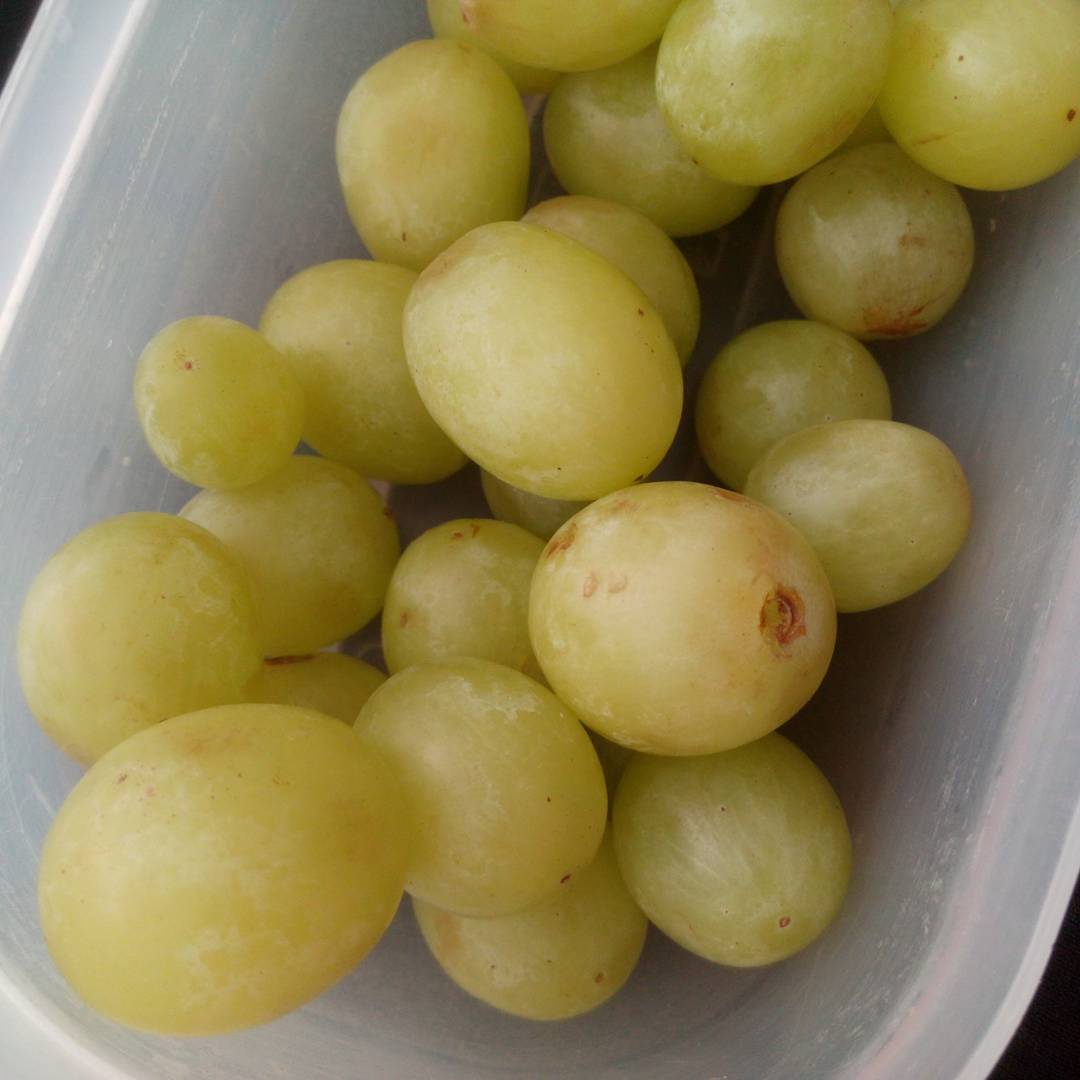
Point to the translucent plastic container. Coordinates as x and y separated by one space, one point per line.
159 159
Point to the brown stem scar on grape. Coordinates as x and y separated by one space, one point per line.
783 618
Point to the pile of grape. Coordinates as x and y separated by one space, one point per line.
255 807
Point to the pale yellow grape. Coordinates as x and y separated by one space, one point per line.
679 618
319 545
217 404
605 136
986 93
870 129
506 789
760 90
778 378
223 868
432 141
567 35
640 249
539 515
873 244
448 21
885 505
138 618
543 362
339 326
742 857
557 960
328 682
462 589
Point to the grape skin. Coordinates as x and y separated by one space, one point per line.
534 513
328 682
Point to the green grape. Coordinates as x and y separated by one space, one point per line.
567 35
339 324
138 618
448 21
319 545
870 129
432 141
535 513
505 786
328 682
679 618
222 868
218 405
873 244
986 93
759 90
778 378
742 857
885 505
462 589
640 249
543 362
605 136
613 760
557 960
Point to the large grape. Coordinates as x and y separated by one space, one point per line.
741 857
885 505
567 35
679 618
319 545
462 589
873 244
539 515
759 90
339 325
986 93
448 20
432 141
218 405
543 362
605 136
778 378
557 960
328 682
507 790
640 249
223 868
138 618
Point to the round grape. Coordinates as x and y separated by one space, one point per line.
328 682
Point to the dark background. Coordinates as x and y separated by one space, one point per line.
1047 1044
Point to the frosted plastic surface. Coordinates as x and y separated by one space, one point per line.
161 159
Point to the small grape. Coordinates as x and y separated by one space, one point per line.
885 505
328 682
218 405
535 513
873 244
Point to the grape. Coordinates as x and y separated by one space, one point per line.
779 378
613 760
567 35
759 90
223 868
462 589
339 324
742 857
538 515
554 961
873 244
506 787
870 129
679 618
432 141
640 249
219 407
986 93
544 363
138 618
319 545
448 21
605 136
328 682
885 505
